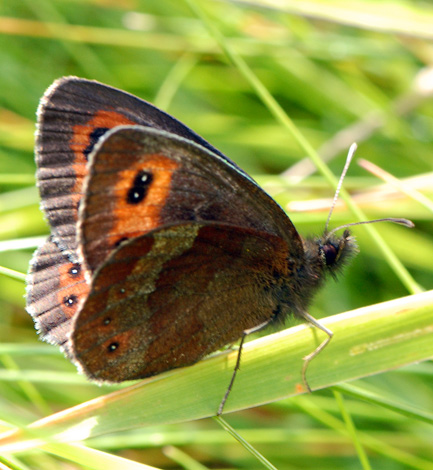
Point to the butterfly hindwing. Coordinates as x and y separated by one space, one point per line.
56 287
168 298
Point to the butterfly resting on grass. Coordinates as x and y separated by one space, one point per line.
162 250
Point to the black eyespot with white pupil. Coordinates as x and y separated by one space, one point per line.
70 301
138 191
113 346
74 270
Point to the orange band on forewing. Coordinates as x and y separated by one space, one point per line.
135 219
82 139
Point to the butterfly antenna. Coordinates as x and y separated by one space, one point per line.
350 154
401 221
406 222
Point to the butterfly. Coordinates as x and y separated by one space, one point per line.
162 250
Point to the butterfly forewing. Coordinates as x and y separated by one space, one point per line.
141 179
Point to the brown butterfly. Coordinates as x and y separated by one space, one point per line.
162 250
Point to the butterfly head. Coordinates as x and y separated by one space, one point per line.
335 251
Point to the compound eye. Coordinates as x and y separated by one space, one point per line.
331 253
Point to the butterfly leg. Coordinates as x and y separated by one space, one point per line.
307 359
238 361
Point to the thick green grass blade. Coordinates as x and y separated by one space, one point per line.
366 341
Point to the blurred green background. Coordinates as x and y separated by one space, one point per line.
343 71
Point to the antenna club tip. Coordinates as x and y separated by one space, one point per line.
406 222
